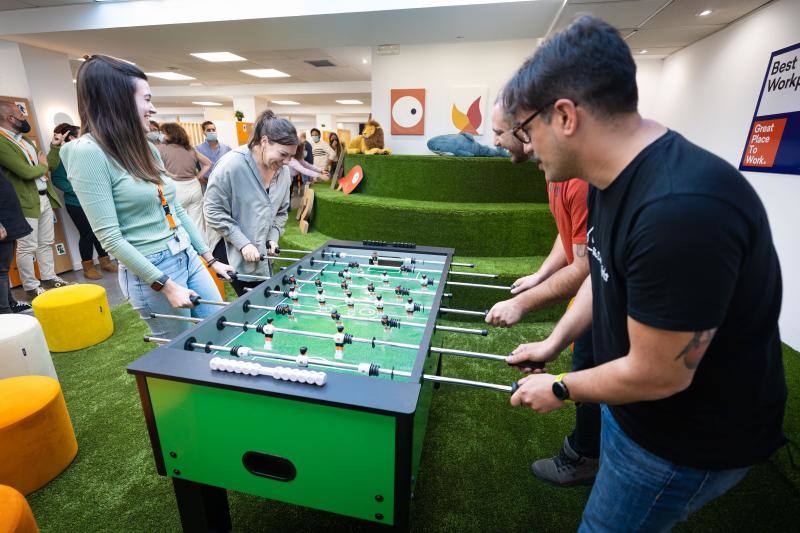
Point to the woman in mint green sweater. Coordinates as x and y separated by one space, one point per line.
129 199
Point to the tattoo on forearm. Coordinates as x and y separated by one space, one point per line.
580 250
696 348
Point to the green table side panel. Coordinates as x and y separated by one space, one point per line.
344 458
449 179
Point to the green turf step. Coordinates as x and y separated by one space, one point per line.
482 229
449 179
509 269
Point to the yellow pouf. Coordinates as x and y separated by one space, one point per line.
74 317
15 513
36 438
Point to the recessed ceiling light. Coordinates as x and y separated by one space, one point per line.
349 102
172 76
265 73
704 13
74 81
196 84
364 61
285 102
217 57
642 51
207 103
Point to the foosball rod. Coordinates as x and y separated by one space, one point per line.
399 322
445 310
383 258
302 360
382 289
409 269
511 389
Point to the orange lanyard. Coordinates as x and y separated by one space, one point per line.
165 206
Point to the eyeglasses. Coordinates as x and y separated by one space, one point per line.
519 130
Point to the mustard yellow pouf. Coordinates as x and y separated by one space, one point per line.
15 513
74 317
36 438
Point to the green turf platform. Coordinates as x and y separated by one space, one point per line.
509 268
449 179
471 228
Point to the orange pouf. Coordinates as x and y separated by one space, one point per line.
217 281
36 438
15 513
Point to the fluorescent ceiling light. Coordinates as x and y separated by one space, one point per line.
349 102
285 102
173 76
265 73
704 13
207 103
642 51
217 57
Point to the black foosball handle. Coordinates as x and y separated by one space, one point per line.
530 365
195 298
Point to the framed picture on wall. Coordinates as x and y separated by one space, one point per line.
408 111
467 108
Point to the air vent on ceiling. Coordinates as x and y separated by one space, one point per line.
320 63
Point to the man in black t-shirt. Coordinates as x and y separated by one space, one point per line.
683 296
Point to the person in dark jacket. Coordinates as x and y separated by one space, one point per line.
12 226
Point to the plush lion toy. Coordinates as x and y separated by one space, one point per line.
370 141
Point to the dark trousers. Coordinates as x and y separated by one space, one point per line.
585 438
87 239
6 255
221 253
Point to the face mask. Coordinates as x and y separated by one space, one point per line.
24 126
161 137
152 136
315 138
211 136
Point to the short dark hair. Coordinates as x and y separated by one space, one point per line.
68 129
277 129
206 123
315 129
587 62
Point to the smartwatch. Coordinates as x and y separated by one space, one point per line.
158 284
560 389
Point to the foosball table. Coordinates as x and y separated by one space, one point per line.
313 388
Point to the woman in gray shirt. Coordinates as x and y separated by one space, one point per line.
247 199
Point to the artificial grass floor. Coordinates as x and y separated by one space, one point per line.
474 474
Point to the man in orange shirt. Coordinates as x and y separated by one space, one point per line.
557 280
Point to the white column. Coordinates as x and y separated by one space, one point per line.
247 105
325 122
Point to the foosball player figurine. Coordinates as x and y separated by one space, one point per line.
338 339
293 294
424 281
410 307
379 303
344 285
318 282
321 297
302 359
337 317
385 278
374 259
269 332
347 274
292 280
371 289
349 300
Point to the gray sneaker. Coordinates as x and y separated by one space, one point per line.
55 282
567 468
33 293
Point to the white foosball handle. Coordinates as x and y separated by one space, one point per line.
277 372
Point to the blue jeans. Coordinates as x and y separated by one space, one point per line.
585 438
185 269
638 491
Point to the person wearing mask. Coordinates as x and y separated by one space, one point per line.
557 280
182 161
336 146
321 150
130 200
247 200
12 226
683 294
26 169
154 134
308 150
211 148
87 243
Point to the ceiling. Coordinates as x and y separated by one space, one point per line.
305 100
8 5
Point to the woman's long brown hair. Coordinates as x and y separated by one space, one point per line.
107 108
177 135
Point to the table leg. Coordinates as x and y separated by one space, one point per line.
203 508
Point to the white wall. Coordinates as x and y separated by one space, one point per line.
13 82
708 92
648 79
437 67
